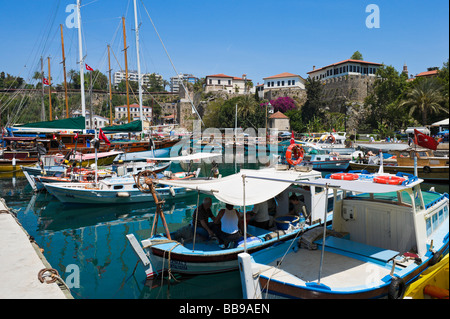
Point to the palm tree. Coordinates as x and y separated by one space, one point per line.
425 96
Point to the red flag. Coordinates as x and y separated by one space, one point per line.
292 138
425 140
102 136
76 136
45 81
89 68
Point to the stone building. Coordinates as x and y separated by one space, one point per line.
345 86
284 84
279 121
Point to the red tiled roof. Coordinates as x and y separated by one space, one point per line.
220 75
236 78
342 62
428 73
281 75
278 115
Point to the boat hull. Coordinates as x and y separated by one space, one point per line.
85 194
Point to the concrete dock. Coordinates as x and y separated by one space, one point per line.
21 260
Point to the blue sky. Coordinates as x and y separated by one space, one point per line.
258 38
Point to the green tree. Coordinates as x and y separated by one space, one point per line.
424 97
357 56
383 102
314 104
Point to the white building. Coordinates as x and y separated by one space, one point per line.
100 120
227 83
119 76
342 68
121 111
283 81
175 81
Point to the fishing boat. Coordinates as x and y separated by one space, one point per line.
428 166
325 162
182 252
385 232
121 190
330 142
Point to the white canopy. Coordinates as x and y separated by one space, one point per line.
191 157
230 189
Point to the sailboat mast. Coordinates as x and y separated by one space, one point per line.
49 91
141 114
64 69
110 89
43 92
80 55
126 67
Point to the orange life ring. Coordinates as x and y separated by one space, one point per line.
297 151
345 176
331 139
388 179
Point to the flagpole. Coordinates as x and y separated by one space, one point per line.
126 67
96 174
141 115
80 53
49 91
90 100
64 69
43 91
110 90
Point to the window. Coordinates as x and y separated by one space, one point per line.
273 84
229 82
357 69
218 81
278 83
293 82
282 83
210 81
268 84
289 82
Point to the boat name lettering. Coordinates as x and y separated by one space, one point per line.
178 264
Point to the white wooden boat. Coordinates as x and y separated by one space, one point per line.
177 254
331 143
383 236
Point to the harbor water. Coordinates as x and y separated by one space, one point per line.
87 245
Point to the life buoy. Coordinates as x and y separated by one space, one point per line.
388 179
331 139
345 176
294 150
397 288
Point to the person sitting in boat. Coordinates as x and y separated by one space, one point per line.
360 159
260 215
201 217
297 206
228 226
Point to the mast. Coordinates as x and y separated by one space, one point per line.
126 67
64 68
110 90
141 114
80 54
43 92
49 91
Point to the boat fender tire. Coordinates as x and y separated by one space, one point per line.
397 288
435 259
426 169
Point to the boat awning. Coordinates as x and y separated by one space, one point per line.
71 124
191 157
359 186
135 126
230 189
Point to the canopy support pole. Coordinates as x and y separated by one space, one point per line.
324 233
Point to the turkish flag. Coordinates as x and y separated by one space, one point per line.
76 136
45 81
89 68
292 138
102 136
425 140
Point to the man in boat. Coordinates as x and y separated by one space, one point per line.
201 217
260 215
228 226
297 206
